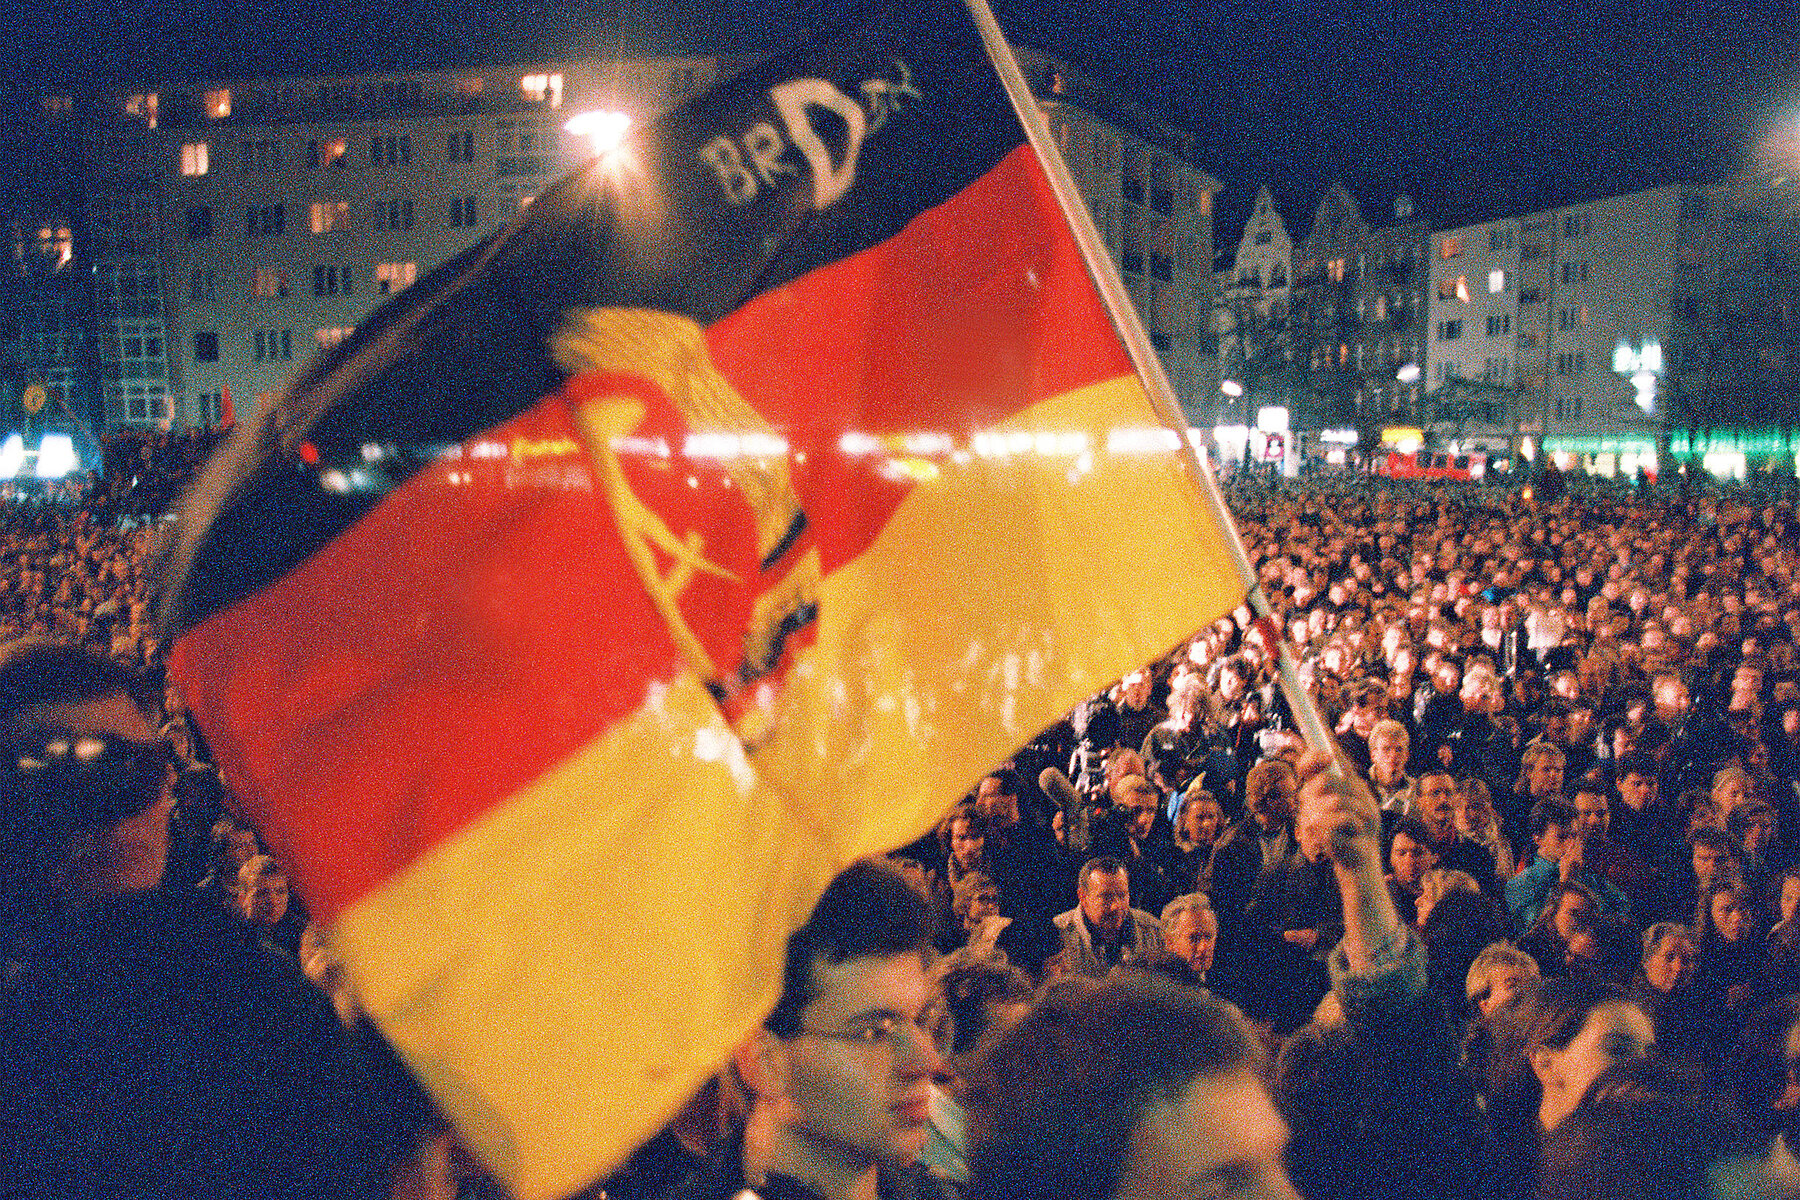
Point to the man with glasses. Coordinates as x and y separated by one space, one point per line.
840 1074
151 1049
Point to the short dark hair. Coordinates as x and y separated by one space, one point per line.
868 911
1636 764
36 671
1056 1099
1715 839
1551 811
1413 828
1105 864
972 990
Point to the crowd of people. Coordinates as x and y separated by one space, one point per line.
1531 924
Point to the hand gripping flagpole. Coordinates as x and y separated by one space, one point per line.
1144 360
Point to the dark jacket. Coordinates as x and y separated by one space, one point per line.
152 1050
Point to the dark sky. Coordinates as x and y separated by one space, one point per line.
1475 109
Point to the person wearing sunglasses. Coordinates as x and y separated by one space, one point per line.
150 1048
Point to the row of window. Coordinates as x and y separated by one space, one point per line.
1450 245
264 155
266 345
333 216
329 279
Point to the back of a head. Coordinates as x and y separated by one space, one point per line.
1648 1129
1055 1100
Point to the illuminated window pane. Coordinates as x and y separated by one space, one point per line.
217 103
195 158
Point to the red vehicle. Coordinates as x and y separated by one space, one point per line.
1425 464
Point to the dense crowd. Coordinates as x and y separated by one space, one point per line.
1565 845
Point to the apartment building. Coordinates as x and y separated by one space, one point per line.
1152 204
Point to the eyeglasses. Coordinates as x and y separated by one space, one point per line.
66 780
885 1031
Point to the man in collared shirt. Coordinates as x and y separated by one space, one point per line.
1103 929
840 1073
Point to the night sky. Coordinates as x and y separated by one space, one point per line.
1473 109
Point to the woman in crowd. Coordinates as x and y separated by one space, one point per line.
1689 1021
1732 950
1197 828
1568 914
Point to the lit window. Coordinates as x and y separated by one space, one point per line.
470 86
543 89
330 216
142 106
58 104
1449 247
268 282
392 277
194 158
1496 282
1335 268
331 337
217 104
1462 288
327 152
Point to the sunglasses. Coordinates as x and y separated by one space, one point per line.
62 780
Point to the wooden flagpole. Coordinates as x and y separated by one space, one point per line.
1101 270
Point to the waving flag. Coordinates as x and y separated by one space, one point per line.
719 521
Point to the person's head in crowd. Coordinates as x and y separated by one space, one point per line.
1410 854
1269 792
1593 815
1103 893
1131 1089
1699 812
1133 691
85 786
1669 956
1200 821
1724 912
1652 1129
1754 825
1715 857
997 800
1368 706
1437 883
1787 898
979 996
973 899
1731 787
1475 814
1554 1038
262 891
1389 746
843 1064
1541 771
1436 806
962 837
1621 737
1497 973
1191 930
1552 827
232 845
1669 695
1569 910
1123 761
1637 782
1134 798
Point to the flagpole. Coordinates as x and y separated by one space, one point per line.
1105 276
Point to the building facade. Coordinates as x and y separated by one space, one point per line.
222 232
1594 331
1152 205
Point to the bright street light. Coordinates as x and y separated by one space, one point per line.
603 129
